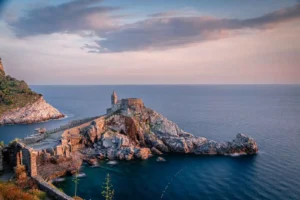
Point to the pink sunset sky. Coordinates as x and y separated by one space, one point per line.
103 42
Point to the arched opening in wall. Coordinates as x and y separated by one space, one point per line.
5 154
8 159
122 132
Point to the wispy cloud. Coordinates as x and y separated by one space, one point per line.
166 32
159 31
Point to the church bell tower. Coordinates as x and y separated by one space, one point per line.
114 98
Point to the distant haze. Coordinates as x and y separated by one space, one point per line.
151 42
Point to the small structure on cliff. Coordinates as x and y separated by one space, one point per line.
124 105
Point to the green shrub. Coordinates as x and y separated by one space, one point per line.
38 193
14 93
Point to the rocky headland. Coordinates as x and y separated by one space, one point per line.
138 132
20 105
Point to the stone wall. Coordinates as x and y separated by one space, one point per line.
71 124
133 103
1 68
29 159
51 190
19 154
1 159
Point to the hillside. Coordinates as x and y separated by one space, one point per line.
16 99
14 93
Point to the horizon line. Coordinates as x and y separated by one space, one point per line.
164 84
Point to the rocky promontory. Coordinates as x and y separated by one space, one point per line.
135 131
140 134
20 105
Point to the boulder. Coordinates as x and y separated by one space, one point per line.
91 161
142 153
160 159
176 144
156 151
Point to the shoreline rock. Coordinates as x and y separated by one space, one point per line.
38 111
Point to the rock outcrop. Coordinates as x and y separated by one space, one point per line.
139 133
37 111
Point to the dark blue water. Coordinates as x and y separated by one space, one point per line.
269 113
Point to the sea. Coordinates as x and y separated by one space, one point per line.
268 113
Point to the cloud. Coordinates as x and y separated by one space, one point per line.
185 12
101 26
165 32
73 16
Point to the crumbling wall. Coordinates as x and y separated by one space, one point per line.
1 159
29 159
84 135
132 103
51 190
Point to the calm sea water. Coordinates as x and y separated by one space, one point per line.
269 113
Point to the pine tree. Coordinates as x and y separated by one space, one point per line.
108 191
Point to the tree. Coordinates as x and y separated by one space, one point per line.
76 180
108 191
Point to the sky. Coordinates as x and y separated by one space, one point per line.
95 42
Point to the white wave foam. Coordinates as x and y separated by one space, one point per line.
58 180
80 175
112 162
236 154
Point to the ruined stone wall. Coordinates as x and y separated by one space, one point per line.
71 124
29 159
1 69
19 154
1 159
51 190
80 136
133 103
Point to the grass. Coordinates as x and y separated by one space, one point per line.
22 187
21 101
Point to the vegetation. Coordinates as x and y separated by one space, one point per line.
108 191
76 180
14 141
38 193
10 191
2 144
22 188
14 93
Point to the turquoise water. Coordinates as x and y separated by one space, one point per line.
269 113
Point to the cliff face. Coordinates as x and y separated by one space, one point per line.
19 104
37 111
